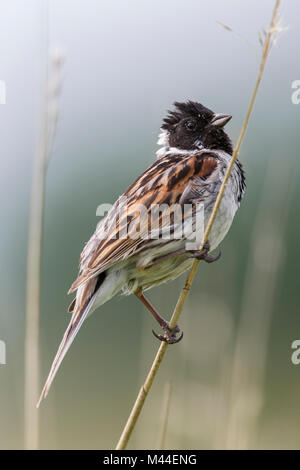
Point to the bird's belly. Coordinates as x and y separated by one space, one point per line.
164 271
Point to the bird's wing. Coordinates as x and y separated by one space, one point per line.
170 180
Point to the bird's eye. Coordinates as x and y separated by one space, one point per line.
190 125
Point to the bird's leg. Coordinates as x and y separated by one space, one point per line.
159 259
203 254
170 334
199 254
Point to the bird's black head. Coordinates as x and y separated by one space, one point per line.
192 126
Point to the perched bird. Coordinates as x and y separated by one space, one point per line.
133 250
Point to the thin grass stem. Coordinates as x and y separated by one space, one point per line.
165 416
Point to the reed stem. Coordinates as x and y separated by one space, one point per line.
48 119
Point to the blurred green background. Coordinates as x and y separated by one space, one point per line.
233 382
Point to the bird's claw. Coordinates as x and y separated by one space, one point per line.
203 254
170 335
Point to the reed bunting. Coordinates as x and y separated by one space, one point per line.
129 250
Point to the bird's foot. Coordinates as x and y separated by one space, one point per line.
170 334
203 254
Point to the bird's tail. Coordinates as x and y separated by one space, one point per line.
76 321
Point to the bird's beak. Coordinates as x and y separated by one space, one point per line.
219 120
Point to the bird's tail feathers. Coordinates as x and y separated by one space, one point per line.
77 319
